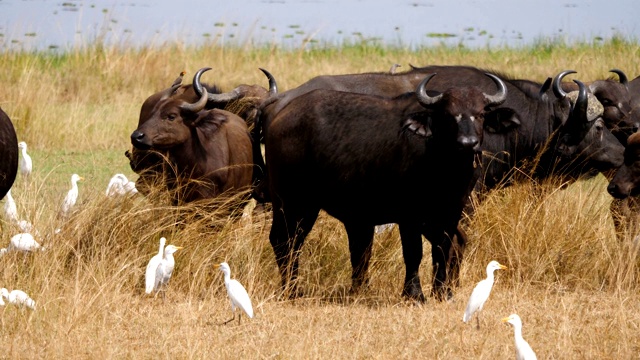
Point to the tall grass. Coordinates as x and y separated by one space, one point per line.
574 283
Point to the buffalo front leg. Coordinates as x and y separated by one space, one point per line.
456 253
440 253
288 231
412 253
360 245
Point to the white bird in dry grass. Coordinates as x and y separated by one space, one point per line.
237 294
165 269
26 165
480 293
119 185
152 266
72 196
10 208
22 242
523 349
17 297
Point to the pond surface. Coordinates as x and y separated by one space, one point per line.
41 24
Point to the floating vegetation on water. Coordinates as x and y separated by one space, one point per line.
294 26
206 34
469 29
441 35
31 34
219 24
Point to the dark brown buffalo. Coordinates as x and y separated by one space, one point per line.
243 100
615 97
369 160
207 151
625 188
8 154
626 181
573 145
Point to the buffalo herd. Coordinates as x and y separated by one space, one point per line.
375 148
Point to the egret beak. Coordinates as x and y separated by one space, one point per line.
506 319
179 247
502 267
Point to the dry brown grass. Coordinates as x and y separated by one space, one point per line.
574 284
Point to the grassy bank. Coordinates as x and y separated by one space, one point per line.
571 280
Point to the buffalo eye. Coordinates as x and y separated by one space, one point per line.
171 117
606 102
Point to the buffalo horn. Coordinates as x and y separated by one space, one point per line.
273 86
501 95
580 108
557 89
421 93
216 98
198 105
622 76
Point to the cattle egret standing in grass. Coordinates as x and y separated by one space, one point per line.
10 208
237 294
26 165
23 242
72 196
152 266
119 185
165 269
480 293
523 350
17 297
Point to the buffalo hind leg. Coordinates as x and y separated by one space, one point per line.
288 232
360 247
412 253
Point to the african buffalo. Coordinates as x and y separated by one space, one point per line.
242 101
208 151
615 97
369 160
625 188
626 181
573 145
8 153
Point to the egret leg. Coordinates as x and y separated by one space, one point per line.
230 320
478 321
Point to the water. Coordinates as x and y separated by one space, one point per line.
40 24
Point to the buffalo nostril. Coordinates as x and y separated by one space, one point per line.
611 189
137 136
468 141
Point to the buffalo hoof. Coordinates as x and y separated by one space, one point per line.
290 293
442 294
413 293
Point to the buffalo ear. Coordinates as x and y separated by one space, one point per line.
209 120
501 120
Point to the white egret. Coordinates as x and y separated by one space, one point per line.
480 293
10 208
72 196
119 185
24 242
237 294
26 165
152 266
165 269
523 349
17 297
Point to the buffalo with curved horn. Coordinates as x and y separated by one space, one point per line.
369 160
